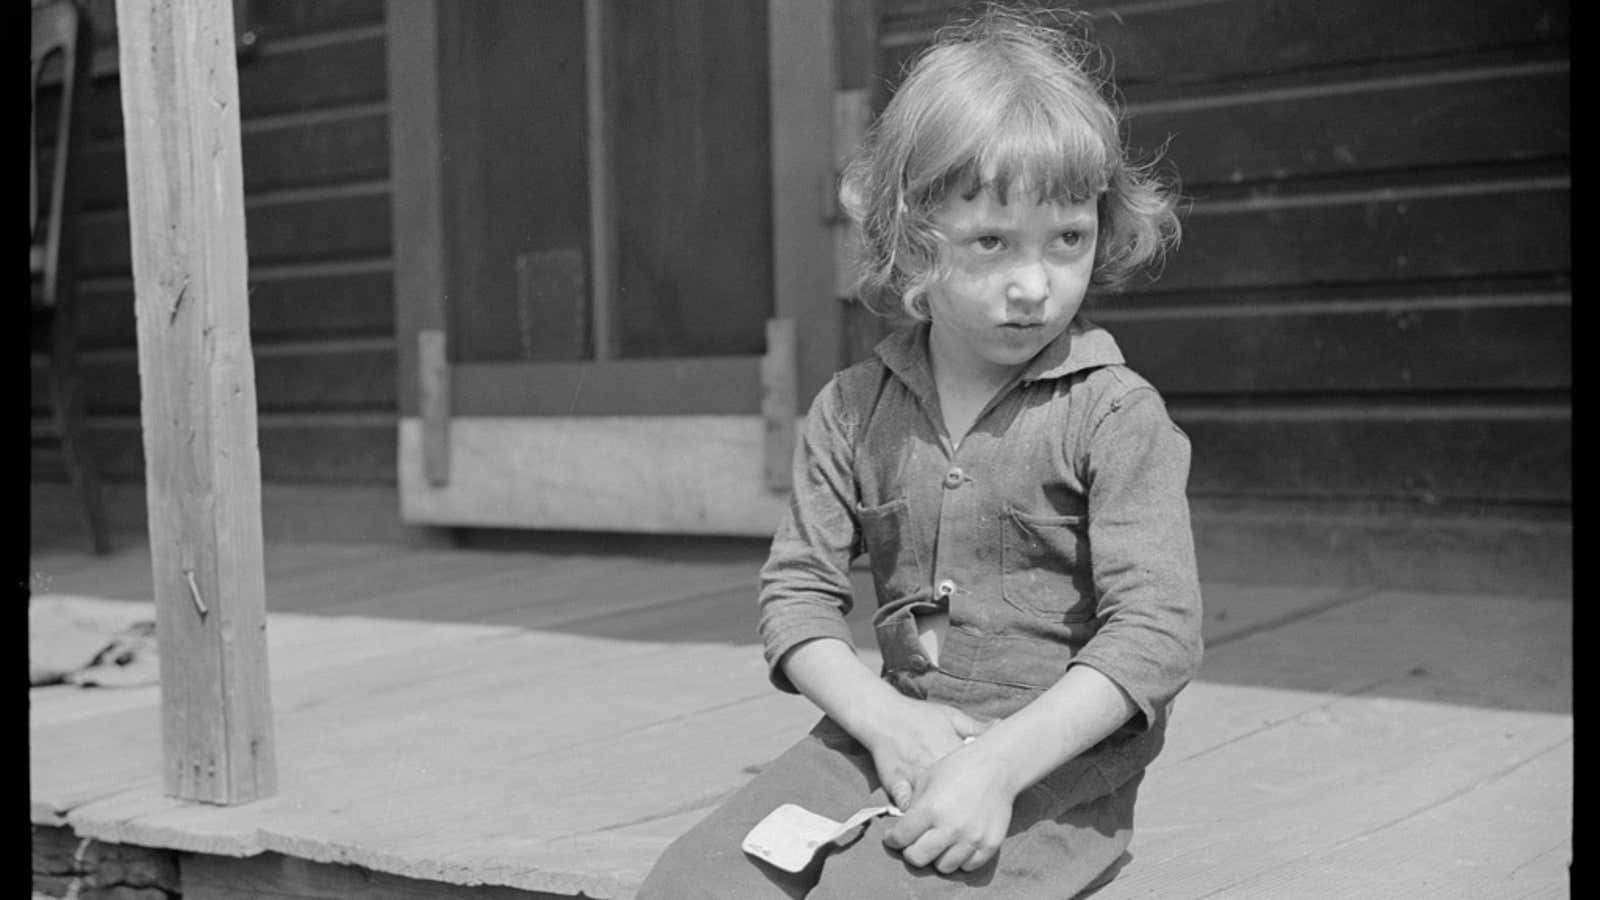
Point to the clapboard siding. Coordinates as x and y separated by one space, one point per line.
299 302
1177 43
318 76
1371 301
349 375
271 19
323 448
1434 120
1459 345
1430 231
1422 453
315 144
296 150
310 225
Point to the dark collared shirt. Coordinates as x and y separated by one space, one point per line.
1057 534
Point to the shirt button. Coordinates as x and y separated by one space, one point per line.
952 478
919 663
947 587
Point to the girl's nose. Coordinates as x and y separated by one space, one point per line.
1029 283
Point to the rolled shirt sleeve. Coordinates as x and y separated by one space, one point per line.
805 582
1148 593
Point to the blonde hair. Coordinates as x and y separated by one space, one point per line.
1000 100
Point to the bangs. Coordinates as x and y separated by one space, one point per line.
1054 161
1030 135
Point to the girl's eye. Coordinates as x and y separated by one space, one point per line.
988 243
1072 238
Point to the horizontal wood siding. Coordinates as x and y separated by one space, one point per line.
1371 303
310 448
315 143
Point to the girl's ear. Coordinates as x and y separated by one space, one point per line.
850 197
916 303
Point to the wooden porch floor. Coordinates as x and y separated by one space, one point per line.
550 721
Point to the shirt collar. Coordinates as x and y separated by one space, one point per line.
1083 345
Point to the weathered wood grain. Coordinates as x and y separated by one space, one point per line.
562 597
1416 727
333 301
270 18
1272 347
326 224
355 448
415 158
780 403
319 76
1181 44
1353 237
329 147
433 393
1366 124
1430 453
715 385
801 142
397 570
354 512
1509 848
323 375
682 474
203 476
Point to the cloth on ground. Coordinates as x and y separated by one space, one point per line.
91 642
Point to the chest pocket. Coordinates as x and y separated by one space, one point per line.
886 531
1044 562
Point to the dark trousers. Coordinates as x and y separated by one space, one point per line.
1058 847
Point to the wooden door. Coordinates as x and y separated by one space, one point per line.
613 265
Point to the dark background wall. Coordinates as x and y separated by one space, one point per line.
1369 316
1367 323
315 144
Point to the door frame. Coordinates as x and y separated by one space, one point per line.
678 445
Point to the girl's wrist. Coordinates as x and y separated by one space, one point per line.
996 752
869 712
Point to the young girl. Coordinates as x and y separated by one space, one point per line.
1020 493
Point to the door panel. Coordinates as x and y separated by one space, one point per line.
692 177
613 261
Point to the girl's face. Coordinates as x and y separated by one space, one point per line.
1018 272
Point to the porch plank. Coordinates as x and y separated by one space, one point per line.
495 830
1324 779
422 828
125 574
1347 725
296 645
80 762
594 706
1496 843
396 572
559 591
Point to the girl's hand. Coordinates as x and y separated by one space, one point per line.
908 736
959 814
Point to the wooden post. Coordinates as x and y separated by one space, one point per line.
800 52
433 368
779 403
180 109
